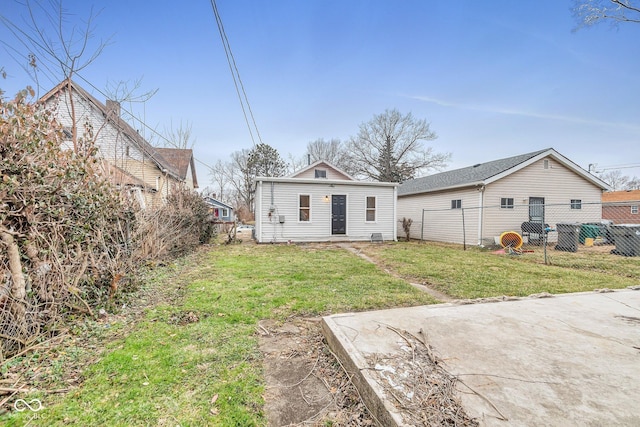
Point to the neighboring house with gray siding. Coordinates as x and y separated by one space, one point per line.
220 212
321 203
473 205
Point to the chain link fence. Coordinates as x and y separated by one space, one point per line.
547 229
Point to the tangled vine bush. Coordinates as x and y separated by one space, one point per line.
175 228
68 239
60 225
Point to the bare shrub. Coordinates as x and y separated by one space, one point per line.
406 226
62 226
69 241
175 228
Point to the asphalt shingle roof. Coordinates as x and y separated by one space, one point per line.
459 177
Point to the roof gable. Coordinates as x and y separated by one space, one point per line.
486 173
180 159
215 202
121 125
332 172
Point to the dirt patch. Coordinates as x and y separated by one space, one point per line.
305 384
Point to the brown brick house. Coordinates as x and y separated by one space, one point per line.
621 207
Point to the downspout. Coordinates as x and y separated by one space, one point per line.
481 213
258 215
395 213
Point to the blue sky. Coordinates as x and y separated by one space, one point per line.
494 78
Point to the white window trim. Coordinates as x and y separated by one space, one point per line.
634 209
452 200
225 212
375 209
310 208
318 172
575 204
507 205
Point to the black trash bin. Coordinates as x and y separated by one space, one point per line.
568 236
627 238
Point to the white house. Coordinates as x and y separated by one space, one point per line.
127 158
321 203
475 204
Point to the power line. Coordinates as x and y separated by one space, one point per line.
236 75
135 118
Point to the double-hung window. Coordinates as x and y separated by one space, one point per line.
506 202
576 204
304 207
371 209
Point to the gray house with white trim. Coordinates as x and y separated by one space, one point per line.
474 204
321 203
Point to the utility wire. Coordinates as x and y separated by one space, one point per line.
136 119
51 76
236 75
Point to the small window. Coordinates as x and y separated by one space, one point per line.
506 203
456 204
545 163
127 151
321 173
371 209
304 207
68 134
225 212
576 204
634 209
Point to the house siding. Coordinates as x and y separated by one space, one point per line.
621 213
112 144
285 204
484 219
331 174
441 223
558 185
617 206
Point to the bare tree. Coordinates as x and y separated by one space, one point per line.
615 179
180 136
241 171
241 178
633 184
52 42
296 163
591 12
389 148
221 179
333 151
129 92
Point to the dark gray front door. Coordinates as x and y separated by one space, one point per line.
339 214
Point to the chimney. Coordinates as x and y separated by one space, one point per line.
113 107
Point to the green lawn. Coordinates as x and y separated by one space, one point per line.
170 372
193 359
476 273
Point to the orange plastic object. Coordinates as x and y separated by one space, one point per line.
511 239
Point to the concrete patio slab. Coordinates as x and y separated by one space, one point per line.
570 359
